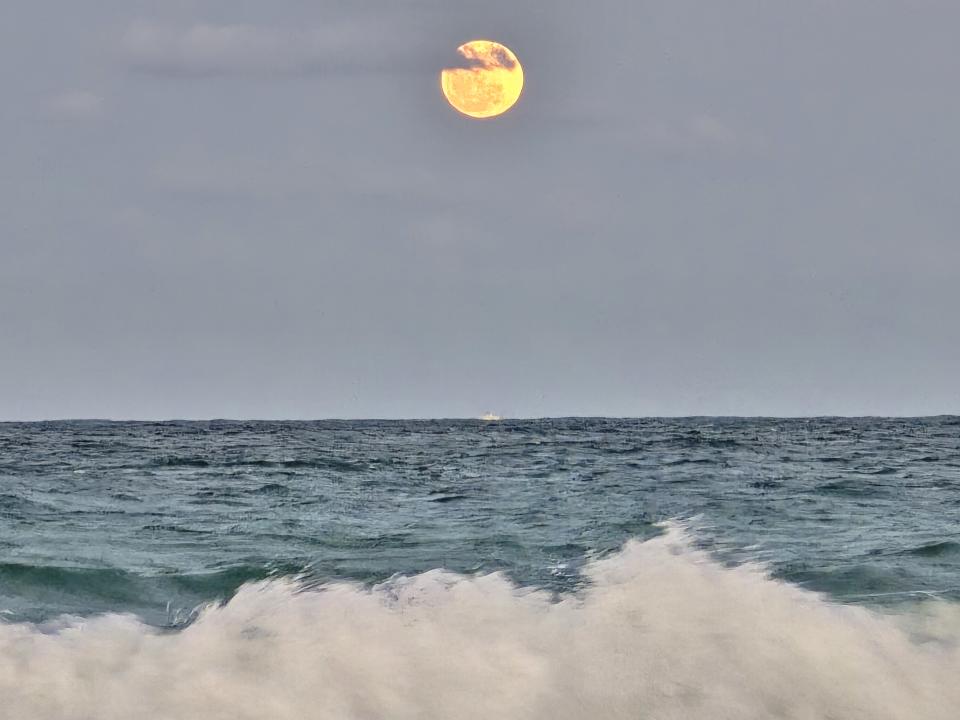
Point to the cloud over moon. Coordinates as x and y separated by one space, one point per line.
203 49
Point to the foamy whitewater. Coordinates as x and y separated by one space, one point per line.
661 632
459 570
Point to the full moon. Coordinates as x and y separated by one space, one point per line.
489 85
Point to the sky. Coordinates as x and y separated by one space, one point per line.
236 209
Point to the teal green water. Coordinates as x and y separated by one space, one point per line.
157 518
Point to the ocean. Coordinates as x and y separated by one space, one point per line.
696 568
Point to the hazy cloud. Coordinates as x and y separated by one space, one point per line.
250 49
80 104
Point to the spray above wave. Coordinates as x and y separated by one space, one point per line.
662 632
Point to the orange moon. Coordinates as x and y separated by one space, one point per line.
489 85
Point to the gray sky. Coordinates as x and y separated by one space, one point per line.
251 209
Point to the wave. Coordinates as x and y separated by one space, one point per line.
660 631
936 549
34 592
318 463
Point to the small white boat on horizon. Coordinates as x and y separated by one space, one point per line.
490 417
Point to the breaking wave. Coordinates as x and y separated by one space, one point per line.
661 630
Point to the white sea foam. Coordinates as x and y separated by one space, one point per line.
663 632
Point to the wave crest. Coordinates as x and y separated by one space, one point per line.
662 631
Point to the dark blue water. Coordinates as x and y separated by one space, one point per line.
156 518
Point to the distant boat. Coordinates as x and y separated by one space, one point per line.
490 417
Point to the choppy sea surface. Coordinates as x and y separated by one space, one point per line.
573 568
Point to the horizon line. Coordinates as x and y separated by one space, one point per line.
518 418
